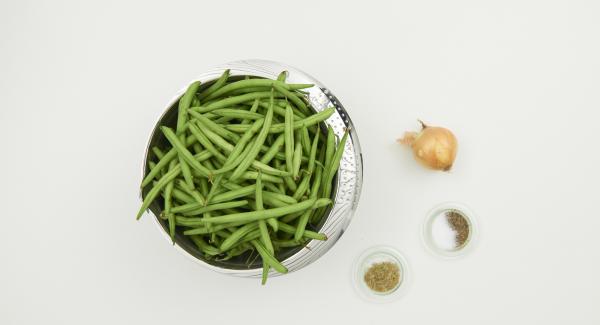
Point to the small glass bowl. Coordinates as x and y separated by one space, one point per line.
427 233
374 255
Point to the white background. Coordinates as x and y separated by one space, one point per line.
81 85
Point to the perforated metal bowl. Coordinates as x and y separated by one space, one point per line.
348 181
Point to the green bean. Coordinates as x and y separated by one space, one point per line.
197 148
197 197
313 153
228 148
259 206
268 258
203 121
289 139
201 137
164 162
184 104
334 164
273 150
187 156
234 194
254 83
185 168
234 154
198 208
253 109
155 191
237 235
273 188
233 164
288 243
266 177
296 159
226 102
292 97
282 76
291 217
280 110
281 197
305 137
181 196
168 200
205 247
307 233
158 153
302 187
215 86
260 139
269 213
329 146
223 120
262 225
278 128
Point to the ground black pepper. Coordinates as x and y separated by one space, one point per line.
460 225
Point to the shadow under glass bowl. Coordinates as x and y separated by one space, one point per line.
348 181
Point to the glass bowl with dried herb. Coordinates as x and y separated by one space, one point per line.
449 230
380 274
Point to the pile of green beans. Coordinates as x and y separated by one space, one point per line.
247 169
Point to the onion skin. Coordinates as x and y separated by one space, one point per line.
433 147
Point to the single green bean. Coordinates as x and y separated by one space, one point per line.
268 258
302 187
280 127
334 164
184 104
229 101
194 209
158 153
305 137
296 159
168 201
289 139
282 76
255 83
185 168
237 235
313 153
215 86
307 233
273 150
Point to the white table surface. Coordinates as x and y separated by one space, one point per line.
81 85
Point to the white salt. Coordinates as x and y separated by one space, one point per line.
442 234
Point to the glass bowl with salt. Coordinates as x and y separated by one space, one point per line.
450 230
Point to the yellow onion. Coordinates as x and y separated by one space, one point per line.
434 147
